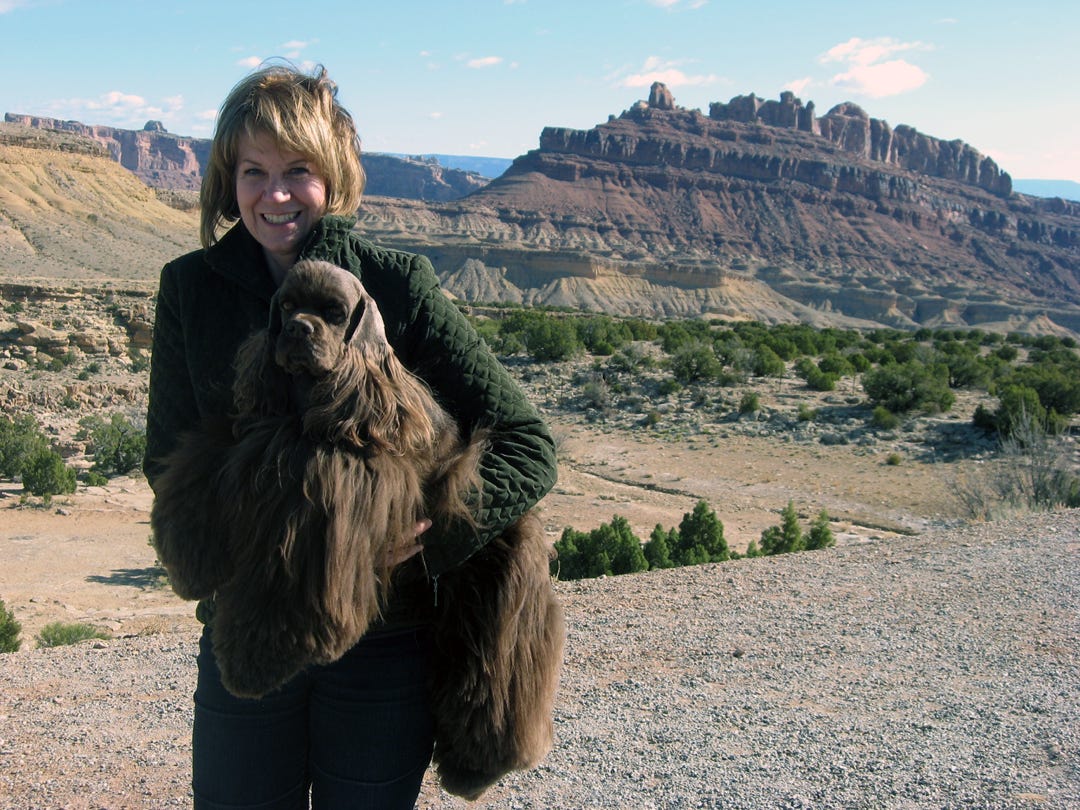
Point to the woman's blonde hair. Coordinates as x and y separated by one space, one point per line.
302 114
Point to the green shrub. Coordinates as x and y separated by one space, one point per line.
894 459
95 479
658 549
883 418
767 363
19 439
45 474
549 339
9 630
806 413
699 538
116 446
820 535
695 361
750 402
60 634
608 550
909 386
602 334
785 538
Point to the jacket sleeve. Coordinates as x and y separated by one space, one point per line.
172 405
469 381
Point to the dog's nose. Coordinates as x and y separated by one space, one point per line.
298 328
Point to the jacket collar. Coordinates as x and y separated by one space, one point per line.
239 258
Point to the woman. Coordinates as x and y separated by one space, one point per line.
284 174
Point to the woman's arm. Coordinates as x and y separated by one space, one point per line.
519 467
172 407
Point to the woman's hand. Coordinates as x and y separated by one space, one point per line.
411 550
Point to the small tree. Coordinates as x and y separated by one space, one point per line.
785 538
19 439
45 474
820 535
658 549
550 339
116 445
608 550
700 538
695 361
9 630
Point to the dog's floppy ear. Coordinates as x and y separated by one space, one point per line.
366 329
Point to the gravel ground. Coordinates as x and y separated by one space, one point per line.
941 671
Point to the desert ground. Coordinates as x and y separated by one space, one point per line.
678 684
87 557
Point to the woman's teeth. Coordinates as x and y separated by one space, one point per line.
281 219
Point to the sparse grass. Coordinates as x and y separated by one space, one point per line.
62 634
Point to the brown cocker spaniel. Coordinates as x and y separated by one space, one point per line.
293 512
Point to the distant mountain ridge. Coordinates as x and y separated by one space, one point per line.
762 210
167 161
759 210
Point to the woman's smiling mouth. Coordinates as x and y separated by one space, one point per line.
281 219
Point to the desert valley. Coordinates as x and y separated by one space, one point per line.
757 211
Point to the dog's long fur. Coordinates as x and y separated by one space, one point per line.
292 512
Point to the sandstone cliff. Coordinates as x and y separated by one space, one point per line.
838 219
166 161
759 210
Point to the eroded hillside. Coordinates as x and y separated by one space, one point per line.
74 216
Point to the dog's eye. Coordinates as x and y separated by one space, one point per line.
287 306
335 314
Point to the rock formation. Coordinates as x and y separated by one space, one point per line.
166 161
839 219
758 210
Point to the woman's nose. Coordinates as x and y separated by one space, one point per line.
277 188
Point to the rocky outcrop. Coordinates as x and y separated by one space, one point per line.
842 218
853 130
158 157
657 212
166 161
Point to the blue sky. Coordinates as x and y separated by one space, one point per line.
483 77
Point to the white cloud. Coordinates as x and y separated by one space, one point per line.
484 62
116 108
250 62
115 100
295 45
878 81
435 116
11 5
870 70
798 86
670 73
206 115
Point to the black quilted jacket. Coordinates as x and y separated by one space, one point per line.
210 301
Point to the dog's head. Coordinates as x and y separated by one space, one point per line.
318 311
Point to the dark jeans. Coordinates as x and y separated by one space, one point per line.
357 732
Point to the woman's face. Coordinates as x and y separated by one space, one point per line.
281 196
